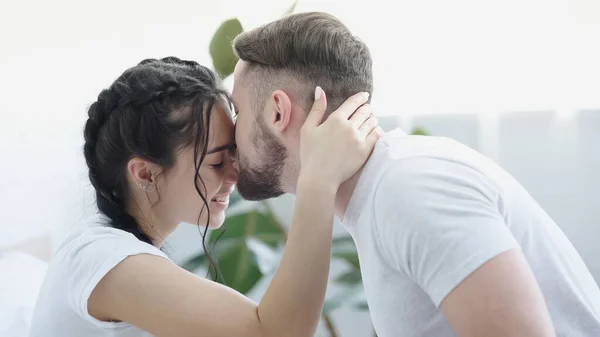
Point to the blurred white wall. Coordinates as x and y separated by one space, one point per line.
515 79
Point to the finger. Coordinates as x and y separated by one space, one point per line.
351 104
368 126
360 116
315 116
372 138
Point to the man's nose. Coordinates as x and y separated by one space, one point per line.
234 160
231 173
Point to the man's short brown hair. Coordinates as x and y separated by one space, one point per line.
302 51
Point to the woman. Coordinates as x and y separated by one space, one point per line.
159 145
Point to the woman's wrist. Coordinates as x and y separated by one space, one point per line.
316 182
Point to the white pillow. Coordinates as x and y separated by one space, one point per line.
20 282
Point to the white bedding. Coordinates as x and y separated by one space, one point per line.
21 276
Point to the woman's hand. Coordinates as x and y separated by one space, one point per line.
336 149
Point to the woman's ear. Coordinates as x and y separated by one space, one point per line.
280 110
142 173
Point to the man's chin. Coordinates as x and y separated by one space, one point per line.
257 192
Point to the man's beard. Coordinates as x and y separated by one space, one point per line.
262 180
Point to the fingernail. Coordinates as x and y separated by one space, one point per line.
318 92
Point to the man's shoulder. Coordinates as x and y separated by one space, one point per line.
397 144
405 170
400 154
416 167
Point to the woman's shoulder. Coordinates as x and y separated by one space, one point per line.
96 224
87 254
94 243
97 231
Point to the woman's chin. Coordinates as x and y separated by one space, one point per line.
216 220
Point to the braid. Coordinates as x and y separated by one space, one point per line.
185 80
109 201
160 95
98 116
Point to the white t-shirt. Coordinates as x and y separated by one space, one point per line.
74 271
428 211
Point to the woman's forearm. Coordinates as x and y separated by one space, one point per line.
292 304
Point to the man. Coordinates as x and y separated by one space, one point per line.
449 243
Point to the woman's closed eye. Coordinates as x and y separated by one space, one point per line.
218 165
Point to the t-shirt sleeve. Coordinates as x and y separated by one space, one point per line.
437 221
92 256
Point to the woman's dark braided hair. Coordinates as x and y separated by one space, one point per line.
151 111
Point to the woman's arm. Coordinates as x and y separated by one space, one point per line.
166 300
156 295
292 304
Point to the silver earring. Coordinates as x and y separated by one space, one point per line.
145 186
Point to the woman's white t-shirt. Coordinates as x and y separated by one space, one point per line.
74 271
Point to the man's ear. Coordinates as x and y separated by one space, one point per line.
281 110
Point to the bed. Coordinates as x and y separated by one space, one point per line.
22 270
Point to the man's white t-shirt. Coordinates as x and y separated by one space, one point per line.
74 271
428 211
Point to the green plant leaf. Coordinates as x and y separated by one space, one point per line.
351 296
234 198
291 9
246 243
201 260
351 258
342 241
266 258
238 268
194 262
221 51
345 249
362 305
419 131
252 224
351 277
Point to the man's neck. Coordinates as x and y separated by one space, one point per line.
346 189
344 194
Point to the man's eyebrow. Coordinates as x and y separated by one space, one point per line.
221 148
